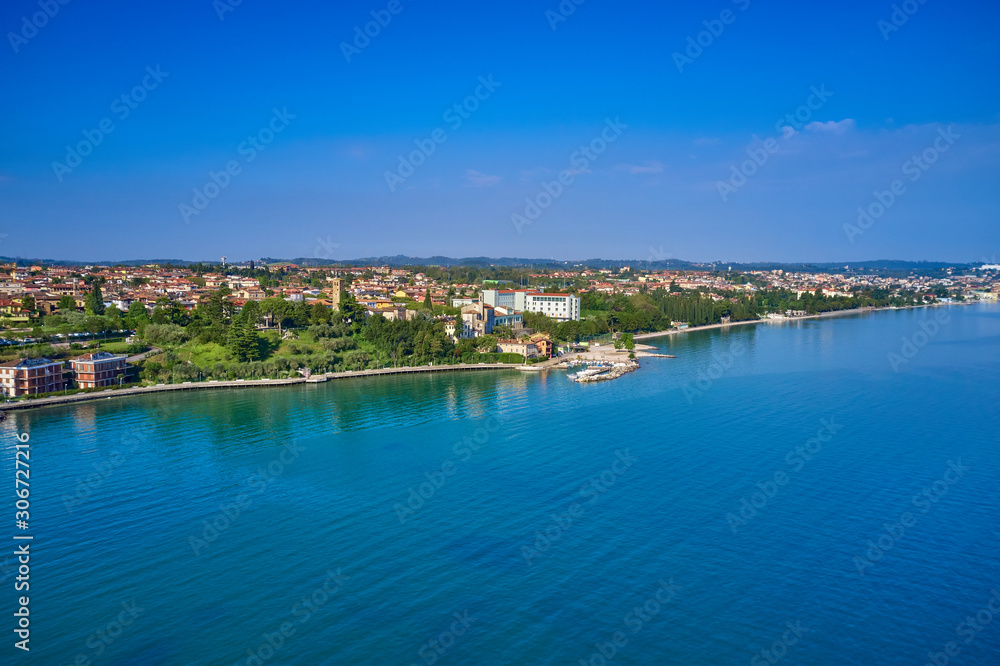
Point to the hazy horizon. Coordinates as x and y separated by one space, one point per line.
446 130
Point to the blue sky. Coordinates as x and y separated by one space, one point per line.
331 122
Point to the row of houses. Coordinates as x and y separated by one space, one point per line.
31 376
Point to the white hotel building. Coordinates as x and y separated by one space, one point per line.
562 307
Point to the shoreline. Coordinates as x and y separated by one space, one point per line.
350 374
820 315
244 383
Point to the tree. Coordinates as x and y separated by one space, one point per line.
242 340
114 317
503 332
320 313
628 341
301 312
28 304
486 344
95 300
214 308
67 303
352 311
137 315
279 310
427 300
159 315
250 314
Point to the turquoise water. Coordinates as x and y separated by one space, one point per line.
699 511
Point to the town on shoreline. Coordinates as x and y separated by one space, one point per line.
82 331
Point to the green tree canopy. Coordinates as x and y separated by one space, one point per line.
95 300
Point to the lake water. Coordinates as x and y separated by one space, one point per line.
825 490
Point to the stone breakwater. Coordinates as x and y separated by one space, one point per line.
614 372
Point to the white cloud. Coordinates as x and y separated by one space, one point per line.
649 167
532 174
475 178
835 126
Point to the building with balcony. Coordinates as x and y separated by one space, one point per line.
99 369
561 307
31 376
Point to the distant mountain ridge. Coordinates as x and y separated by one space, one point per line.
400 260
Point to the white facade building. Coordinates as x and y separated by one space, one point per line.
562 307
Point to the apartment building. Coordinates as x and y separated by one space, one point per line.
98 369
562 307
30 376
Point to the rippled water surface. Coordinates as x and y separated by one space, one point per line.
794 488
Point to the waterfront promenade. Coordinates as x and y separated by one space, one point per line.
603 353
246 383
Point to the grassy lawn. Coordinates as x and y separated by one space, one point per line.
115 347
270 346
202 354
